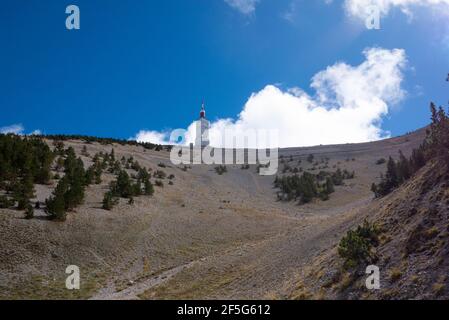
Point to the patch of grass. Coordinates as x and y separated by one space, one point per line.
414 279
438 289
346 281
40 287
395 274
301 293
187 287
321 295
432 233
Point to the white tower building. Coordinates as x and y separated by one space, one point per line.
202 130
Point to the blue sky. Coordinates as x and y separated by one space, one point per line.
147 65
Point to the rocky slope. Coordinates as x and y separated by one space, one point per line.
413 254
206 236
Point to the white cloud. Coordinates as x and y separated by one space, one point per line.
291 12
17 129
36 133
348 105
152 136
14 128
244 6
358 8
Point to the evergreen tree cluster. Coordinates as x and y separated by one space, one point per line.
398 172
125 187
70 190
339 176
305 187
24 161
437 142
108 141
435 146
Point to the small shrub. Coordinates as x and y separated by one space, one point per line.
438 288
29 212
159 183
148 188
357 245
221 169
159 174
84 151
414 279
6 203
395 274
432 233
109 201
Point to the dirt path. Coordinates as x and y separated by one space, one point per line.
135 289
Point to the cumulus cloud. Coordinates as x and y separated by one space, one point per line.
14 128
347 107
358 8
244 6
152 136
17 129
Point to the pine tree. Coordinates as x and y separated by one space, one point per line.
417 160
136 189
55 205
84 151
90 175
403 168
59 164
5 202
75 174
392 180
97 171
26 192
148 187
329 186
108 201
29 212
123 186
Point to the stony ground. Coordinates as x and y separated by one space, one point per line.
207 236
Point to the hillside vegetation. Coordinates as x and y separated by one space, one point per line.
405 232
